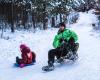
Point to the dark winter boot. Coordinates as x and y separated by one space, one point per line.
17 60
76 46
74 56
50 67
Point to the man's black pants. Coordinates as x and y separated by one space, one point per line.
60 53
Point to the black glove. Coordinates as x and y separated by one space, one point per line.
62 39
71 41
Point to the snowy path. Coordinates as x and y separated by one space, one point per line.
86 68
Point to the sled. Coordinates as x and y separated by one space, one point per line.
23 65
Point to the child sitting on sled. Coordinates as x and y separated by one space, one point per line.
28 57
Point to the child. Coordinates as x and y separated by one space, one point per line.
27 55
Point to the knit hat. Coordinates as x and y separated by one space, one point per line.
62 24
24 48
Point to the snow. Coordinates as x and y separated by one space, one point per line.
87 67
87 19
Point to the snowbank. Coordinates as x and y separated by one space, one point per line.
87 18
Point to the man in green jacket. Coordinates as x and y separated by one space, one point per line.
64 35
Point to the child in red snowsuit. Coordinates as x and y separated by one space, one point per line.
27 55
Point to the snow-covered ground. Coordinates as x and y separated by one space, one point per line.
86 68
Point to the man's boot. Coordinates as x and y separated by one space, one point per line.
49 67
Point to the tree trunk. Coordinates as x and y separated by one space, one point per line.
12 20
44 17
2 31
60 18
33 19
53 22
12 27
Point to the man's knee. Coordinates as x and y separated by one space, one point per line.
53 51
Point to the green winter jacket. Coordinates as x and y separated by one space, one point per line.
66 34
